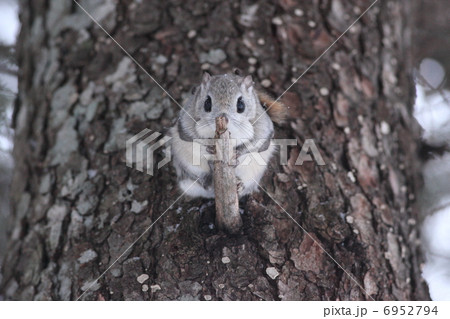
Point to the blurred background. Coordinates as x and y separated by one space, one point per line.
431 45
9 27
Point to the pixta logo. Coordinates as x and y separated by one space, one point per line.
140 149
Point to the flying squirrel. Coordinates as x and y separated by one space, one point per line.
250 114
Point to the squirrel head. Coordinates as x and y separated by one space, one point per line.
230 95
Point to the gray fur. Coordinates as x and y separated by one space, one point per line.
196 123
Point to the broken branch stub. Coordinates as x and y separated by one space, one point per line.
225 185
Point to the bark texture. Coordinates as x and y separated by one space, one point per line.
77 207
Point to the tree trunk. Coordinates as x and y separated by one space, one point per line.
77 207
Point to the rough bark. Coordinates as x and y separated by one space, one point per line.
77 206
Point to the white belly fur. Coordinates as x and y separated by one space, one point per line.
250 174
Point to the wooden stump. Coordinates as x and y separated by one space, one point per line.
225 184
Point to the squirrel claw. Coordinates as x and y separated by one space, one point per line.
234 161
240 186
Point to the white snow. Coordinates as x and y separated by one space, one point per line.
432 111
272 272
436 235
142 278
87 256
9 27
9 22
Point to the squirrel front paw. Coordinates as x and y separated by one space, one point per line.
240 186
234 159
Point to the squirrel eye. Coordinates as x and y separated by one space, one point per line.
207 105
240 105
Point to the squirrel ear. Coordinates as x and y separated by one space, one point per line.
247 82
205 79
